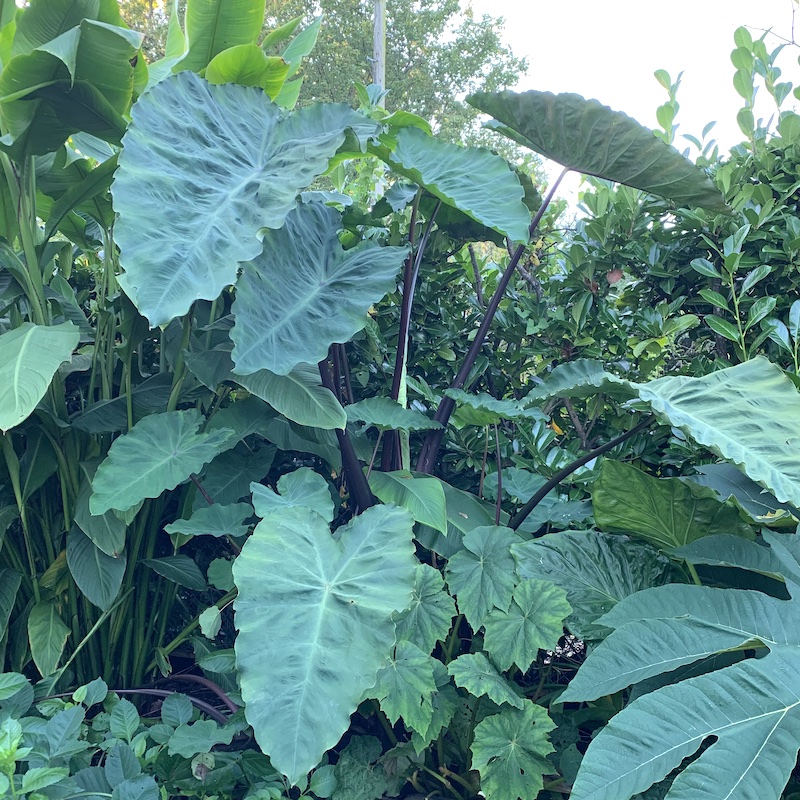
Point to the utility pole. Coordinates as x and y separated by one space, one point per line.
379 45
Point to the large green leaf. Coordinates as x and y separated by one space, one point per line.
99 576
423 496
313 637
474 180
750 708
580 378
427 620
304 291
666 512
156 454
482 574
534 621
82 79
214 25
214 164
297 395
589 137
302 487
748 414
510 752
47 635
596 570
29 358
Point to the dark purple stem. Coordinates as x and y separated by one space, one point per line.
433 441
520 516
390 458
356 482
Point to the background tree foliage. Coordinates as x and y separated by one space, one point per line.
436 53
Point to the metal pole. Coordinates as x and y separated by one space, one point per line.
379 45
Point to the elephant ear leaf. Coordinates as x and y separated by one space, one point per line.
214 164
305 291
589 137
749 710
748 414
313 637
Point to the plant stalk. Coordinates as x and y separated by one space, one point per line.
522 514
433 441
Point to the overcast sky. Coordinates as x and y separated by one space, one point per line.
609 50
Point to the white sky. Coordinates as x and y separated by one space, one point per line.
609 49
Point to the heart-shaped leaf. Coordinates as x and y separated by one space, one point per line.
312 638
214 164
304 292
156 454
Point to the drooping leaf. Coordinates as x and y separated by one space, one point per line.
29 358
589 137
303 487
427 620
386 414
422 496
106 531
472 179
304 291
99 576
595 569
666 512
158 453
475 673
228 477
724 550
10 684
729 481
47 635
482 574
578 379
248 65
217 520
312 639
510 752
9 585
244 417
210 622
464 512
483 409
179 569
215 25
297 395
534 621
405 686
212 185
748 414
